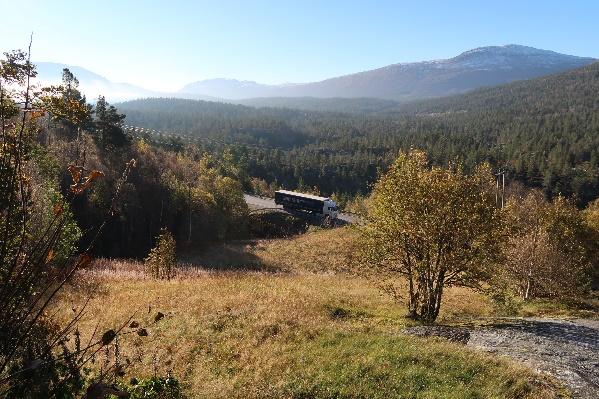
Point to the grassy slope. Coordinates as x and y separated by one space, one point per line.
260 334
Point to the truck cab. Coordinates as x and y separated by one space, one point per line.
330 209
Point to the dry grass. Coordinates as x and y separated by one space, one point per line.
276 328
320 251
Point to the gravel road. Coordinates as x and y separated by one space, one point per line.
566 349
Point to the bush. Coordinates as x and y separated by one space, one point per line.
591 221
161 263
156 388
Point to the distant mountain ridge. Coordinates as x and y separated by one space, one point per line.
481 67
362 91
92 84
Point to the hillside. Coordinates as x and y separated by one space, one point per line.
288 329
566 92
543 131
485 66
345 105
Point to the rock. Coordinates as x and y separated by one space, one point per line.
453 334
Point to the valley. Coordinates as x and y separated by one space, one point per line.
299 200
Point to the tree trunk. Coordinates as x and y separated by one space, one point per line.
528 284
412 300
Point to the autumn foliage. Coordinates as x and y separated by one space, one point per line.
431 227
161 263
548 253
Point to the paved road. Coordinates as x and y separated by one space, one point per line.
255 202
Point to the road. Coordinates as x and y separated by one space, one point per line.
256 202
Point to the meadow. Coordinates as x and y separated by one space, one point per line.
281 318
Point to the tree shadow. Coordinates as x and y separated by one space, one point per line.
563 331
229 256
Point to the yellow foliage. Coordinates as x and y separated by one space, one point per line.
434 226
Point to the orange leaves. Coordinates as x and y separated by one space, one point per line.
50 256
37 113
76 172
80 183
57 209
84 261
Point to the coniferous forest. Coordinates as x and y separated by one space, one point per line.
542 132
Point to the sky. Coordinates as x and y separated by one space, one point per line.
163 45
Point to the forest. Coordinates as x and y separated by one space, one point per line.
542 133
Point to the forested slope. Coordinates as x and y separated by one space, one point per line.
572 91
544 132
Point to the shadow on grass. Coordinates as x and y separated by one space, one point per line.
276 225
230 256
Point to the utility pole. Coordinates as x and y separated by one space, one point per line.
502 188
500 176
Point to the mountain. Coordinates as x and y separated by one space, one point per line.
230 89
485 66
568 93
91 84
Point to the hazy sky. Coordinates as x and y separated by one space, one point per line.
164 44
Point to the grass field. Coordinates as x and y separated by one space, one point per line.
268 319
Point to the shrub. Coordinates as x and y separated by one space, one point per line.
162 261
156 388
591 221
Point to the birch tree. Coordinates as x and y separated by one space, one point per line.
432 227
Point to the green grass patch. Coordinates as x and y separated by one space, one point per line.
355 365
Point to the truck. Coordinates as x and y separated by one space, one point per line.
293 201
